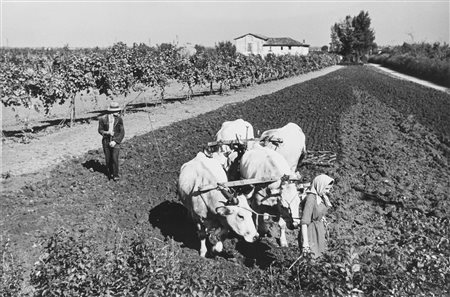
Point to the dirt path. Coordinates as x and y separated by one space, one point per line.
24 164
399 75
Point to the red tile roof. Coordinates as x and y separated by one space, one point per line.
276 41
283 41
256 35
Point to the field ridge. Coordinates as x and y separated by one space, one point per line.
387 227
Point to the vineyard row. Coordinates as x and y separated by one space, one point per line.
55 76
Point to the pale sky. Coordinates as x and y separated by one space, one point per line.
90 23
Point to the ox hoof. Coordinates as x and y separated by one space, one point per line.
218 247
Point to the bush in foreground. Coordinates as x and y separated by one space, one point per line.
138 266
11 271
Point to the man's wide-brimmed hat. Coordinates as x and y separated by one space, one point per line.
114 106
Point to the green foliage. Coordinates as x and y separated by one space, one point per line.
353 37
165 47
55 76
73 266
225 50
335 43
11 271
364 35
136 266
425 61
435 51
344 31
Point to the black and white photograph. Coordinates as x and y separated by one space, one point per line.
225 148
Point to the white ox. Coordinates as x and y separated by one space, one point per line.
231 130
292 147
211 210
234 130
278 198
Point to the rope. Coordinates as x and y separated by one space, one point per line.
63 121
292 265
320 158
219 187
154 136
129 102
288 203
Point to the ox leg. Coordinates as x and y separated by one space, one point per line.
263 223
261 219
283 241
202 237
203 248
218 247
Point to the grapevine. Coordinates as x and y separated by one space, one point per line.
55 76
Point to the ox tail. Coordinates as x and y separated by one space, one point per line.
303 155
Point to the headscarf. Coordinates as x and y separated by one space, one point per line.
318 187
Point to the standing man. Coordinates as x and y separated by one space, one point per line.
110 126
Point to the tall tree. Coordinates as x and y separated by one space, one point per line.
345 30
226 49
335 44
364 35
165 47
356 38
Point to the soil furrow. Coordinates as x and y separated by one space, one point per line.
390 199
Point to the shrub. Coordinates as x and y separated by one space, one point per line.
71 266
424 61
11 271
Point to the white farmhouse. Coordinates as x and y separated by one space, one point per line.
258 44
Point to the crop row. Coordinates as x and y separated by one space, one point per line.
388 230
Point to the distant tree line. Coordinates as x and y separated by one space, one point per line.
436 50
427 61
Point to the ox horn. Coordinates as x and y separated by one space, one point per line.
232 199
207 152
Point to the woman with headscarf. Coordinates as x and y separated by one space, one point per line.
315 207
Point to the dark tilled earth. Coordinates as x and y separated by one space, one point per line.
392 175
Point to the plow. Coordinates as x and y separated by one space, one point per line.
316 158
320 158
254 181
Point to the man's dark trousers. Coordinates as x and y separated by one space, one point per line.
111 158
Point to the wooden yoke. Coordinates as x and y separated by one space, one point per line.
238 141
252 181
230 142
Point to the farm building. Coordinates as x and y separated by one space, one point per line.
258 44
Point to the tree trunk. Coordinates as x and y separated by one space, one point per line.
190 91
72 110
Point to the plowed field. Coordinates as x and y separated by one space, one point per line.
389 227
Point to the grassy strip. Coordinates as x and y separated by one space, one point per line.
429 69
